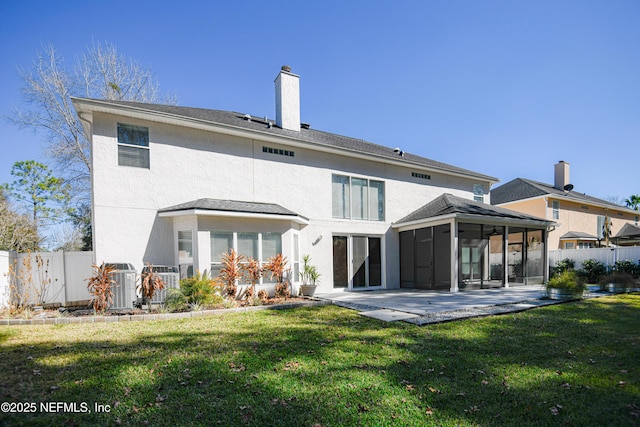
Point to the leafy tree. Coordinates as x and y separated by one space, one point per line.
633 202
44 196
102 72
81 219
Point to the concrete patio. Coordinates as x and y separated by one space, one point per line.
424 306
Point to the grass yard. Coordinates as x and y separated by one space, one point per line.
573 364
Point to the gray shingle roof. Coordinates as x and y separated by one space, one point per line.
450 204
578 235
628 230
311 136
231 206
522 188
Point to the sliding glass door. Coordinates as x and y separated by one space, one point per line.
357 262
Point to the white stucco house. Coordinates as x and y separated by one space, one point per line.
180 186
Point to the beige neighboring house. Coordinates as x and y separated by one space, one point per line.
581 219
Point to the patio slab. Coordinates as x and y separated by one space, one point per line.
423 307
425 302
388 315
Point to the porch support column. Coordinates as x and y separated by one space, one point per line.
505 256
454 256
202 251
545 264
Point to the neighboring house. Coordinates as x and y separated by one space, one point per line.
180 186
582 220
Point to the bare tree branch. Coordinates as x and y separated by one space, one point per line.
101 73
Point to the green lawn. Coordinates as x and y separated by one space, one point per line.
575 364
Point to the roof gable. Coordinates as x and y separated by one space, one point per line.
522 189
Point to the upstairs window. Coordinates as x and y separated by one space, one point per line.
357 198
478 193
555 208
133 146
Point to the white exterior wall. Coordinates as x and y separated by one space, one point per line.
188 164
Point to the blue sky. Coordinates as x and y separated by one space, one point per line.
504 88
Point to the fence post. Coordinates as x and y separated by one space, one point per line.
5 289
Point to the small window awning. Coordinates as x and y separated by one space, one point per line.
233 208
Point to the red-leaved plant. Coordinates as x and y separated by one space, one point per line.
252 272
231 272
150 283
99 285
277 266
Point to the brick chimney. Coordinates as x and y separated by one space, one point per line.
561 175
288 99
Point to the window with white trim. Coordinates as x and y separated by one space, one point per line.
221 242
555 209
133 146
478 192
259 246
185 253
357 198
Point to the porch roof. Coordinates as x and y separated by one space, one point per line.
628 231
234 208
450 206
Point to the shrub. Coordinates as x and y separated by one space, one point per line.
201 289
175 300
231 272
254 301
627 267
562 266
99 285
309 274
252 272
277 266
150 283
263 295
593 270
568 280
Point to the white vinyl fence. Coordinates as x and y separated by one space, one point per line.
60 278
608 256
5 294
45 277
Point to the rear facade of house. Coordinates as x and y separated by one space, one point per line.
181 186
